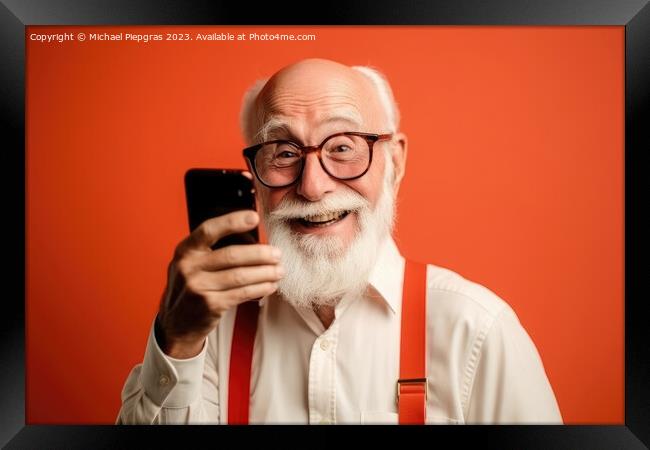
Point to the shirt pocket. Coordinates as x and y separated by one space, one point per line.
379 418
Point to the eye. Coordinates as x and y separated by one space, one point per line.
286 154
341 149
285 151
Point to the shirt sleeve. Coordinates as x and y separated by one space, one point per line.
510 385
165 390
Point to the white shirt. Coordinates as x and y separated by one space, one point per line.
482 366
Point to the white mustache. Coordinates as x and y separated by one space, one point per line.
297 209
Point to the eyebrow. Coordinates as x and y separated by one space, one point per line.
275 124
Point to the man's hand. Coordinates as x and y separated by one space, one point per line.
203 283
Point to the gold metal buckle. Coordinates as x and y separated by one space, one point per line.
414 381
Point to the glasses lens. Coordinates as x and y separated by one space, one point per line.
346 156
278 164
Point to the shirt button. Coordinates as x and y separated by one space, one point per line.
325 422
325 344
163 380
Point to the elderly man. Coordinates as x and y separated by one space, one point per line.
346 330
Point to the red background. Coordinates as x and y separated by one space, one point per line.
514 179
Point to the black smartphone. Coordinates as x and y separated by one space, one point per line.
214 192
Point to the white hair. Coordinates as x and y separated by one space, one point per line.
249 116
247 120
385 94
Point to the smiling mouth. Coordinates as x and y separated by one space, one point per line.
323 220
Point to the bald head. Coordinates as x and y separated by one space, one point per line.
307 74
321 91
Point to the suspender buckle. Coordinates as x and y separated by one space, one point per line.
413 385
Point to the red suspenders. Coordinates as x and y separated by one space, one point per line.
411 386
241 358
412 383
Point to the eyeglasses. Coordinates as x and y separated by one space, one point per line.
344 156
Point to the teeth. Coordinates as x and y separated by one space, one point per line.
324 217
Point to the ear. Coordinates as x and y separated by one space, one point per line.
399 158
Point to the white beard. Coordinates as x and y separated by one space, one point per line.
320 269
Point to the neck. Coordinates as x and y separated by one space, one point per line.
325 314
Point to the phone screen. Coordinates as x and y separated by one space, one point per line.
215 192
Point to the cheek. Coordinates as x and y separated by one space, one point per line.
370 185
272 198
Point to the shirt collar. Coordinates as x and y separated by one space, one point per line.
387 276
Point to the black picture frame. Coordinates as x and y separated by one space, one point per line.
15 15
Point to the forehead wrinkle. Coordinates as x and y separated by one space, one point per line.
281 124
287 106
351 116
281 117
282 103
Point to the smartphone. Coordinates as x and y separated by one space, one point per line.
214 192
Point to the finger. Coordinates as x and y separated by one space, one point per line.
211 230
239 255
247 174
224 280
246 293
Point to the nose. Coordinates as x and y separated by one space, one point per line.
314 182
